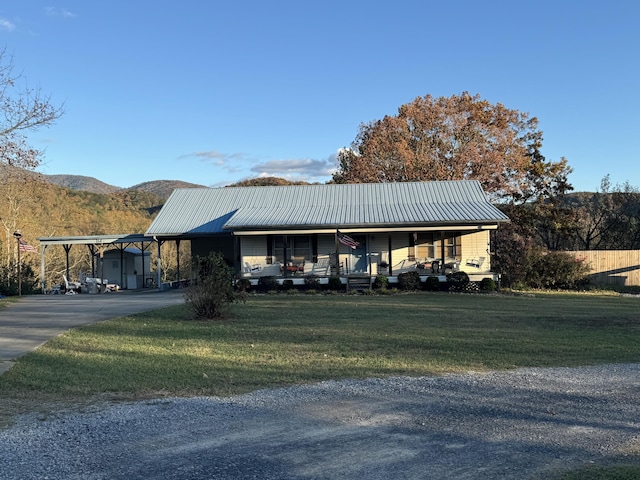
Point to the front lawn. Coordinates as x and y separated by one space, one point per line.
275 340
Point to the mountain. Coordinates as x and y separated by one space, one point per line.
161 188
79 182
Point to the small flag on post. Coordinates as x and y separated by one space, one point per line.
347 240
25 247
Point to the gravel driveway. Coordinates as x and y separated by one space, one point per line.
527 423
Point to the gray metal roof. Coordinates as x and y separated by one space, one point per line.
205 211
95 239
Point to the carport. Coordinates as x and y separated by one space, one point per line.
97 245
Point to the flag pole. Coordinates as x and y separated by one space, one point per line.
18 235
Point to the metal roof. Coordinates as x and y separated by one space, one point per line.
95 239
206 211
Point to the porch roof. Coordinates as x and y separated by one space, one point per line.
207 211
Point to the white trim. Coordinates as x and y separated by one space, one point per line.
472 228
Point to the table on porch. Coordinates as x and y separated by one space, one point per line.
437 266
294 269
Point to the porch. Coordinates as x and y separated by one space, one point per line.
429 252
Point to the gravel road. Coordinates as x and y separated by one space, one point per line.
526 423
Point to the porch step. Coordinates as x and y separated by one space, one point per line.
358 282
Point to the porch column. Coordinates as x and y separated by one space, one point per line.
178 259
285 272
390 261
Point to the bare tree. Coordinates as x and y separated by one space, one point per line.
24 109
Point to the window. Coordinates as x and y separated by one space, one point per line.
298 247
452 246
426 245
429 245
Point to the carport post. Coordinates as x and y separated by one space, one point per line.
159 267
67 247
43 282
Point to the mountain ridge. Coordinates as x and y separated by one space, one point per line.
161 188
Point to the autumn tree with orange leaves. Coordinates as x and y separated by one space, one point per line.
455 138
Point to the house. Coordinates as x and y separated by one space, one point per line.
337 229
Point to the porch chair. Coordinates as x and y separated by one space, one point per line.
300 264
335 267
251 268
475 262
71 288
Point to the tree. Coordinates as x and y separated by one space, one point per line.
455 138
23 109
608 218
265 182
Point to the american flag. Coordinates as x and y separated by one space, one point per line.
347 240
25 247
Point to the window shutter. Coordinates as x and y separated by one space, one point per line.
269 249
314 248
412 246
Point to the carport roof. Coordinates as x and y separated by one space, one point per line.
95 239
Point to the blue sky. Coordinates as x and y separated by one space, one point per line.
214 92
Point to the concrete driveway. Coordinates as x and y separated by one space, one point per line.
35 319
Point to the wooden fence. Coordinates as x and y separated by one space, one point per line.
612 267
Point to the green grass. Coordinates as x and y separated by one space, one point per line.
621 472
276 340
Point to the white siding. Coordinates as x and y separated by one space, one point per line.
475 258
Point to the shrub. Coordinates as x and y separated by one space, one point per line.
266 284
458 281
389 291
409 281
243 285
381 282
287 284
9 282
335 284
555 270
432 283
312 282
487 285
213 291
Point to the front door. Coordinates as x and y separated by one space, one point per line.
358 261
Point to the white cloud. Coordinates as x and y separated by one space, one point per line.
241 166
59 12
7 25
217 158
297 169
